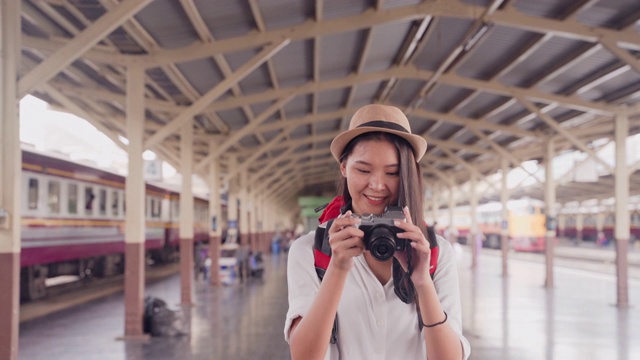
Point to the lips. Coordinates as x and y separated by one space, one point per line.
374 200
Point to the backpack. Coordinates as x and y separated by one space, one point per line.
322 250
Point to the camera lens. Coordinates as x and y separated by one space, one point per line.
382 244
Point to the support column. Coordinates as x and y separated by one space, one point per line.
549 205
232 206
622 232
244 218
504 227
186 215
257 222
475 238
453 233
215 226
600 236
579 227
135 213
10 165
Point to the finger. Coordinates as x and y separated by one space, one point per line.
421 247
408 227
349 246
346 220
407 215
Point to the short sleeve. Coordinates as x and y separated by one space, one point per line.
302 280
447 286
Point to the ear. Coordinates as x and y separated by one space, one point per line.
343 169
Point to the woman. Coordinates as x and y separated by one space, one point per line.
381 312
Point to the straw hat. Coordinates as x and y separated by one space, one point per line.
379 118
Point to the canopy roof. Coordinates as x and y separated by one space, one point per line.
271 82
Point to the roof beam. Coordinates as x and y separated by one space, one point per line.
218 90
79 45
310 29
571 29
246 130
622 54
554 125
474 123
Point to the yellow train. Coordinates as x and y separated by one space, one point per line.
526 224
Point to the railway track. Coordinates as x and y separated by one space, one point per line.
72 294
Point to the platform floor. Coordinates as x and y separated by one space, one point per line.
504 318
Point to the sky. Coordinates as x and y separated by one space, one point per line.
52 131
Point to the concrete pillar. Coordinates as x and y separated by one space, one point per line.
186 215
453 238
10 165
135 213
244 218
622 230
475 238
600 216
562 224
504 227
215 218
550 201
579 227
255 221
232 206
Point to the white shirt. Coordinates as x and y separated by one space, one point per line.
373 323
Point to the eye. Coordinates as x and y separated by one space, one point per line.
362 171
396 173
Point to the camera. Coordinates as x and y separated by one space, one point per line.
380 233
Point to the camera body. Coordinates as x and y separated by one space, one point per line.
380 233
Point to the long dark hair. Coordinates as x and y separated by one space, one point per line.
410 194
410 191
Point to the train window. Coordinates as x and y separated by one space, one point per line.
33 194
152 206
72 199
88 200
635 219
175 208
156 207
54 197
102 201
610 220
114 203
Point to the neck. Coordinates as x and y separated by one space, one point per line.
383 270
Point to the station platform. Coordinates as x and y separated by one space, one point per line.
512 317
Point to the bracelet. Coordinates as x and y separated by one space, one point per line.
438 323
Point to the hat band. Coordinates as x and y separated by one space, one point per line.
383 124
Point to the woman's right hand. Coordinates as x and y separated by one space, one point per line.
345 240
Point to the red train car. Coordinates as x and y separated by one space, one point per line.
590 232
73 222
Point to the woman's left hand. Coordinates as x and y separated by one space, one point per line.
421 256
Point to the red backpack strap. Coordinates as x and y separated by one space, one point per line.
433 244
331 210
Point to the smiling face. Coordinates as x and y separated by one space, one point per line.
372 174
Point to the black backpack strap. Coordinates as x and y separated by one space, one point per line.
321 258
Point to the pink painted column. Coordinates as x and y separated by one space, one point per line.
10 165
135 214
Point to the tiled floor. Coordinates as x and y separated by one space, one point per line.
513 318
232 322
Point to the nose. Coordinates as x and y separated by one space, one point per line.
376 182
